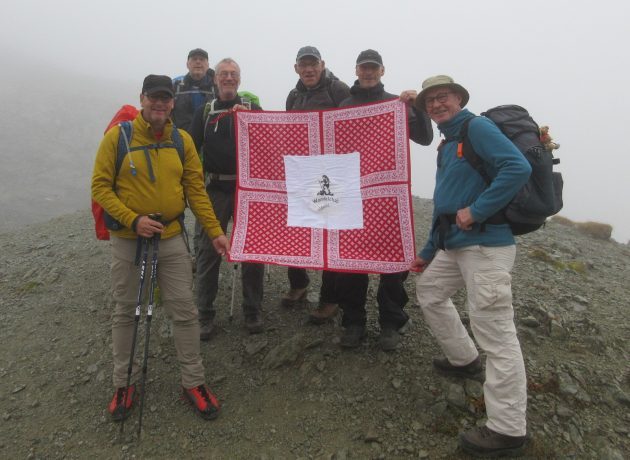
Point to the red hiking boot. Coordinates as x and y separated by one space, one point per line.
203 401
122 403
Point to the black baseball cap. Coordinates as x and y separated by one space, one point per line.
154 84
369 56
198 52
308 51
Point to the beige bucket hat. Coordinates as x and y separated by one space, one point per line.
438 81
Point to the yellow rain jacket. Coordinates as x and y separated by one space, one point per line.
140 194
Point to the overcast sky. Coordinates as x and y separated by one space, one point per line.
565 61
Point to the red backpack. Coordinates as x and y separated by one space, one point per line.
126 113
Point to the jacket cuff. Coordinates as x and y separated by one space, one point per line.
428 253
214 232
134 224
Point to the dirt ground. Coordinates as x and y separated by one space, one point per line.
292 392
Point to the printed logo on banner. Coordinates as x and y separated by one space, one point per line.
324 191
325 197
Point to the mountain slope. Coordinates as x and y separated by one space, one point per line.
570 297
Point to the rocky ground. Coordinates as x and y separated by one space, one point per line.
291 392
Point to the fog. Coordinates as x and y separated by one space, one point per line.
69 64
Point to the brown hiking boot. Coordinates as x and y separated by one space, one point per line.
483 442
294 298
206 327
324 313
472 370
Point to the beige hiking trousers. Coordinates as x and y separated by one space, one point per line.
174 278
485 273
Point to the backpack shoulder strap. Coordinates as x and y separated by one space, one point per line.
178 142
178 83
124 142
465 149
208 110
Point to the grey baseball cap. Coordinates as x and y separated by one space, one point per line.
306 51
198 52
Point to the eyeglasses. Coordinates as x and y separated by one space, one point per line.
162 97
440 97
226 74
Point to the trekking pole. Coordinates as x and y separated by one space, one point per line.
145 254
154 260
233 291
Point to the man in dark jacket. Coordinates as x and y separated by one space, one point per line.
193 89
352 287
213 133
317 89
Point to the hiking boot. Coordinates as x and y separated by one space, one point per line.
324 313
472 370
203 401
389 339
402 330
122 403
294 298
352 336
254 323
483 442
206 327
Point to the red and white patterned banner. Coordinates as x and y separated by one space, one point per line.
378 132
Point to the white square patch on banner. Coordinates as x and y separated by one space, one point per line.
324 191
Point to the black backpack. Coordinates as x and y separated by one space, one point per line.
541 196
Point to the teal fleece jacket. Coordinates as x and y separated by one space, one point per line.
458 185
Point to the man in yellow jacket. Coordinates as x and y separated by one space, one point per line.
154 180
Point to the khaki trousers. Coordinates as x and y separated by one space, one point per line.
485 273
174 278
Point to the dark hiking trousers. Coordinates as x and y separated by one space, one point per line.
298 279
209 262
391 298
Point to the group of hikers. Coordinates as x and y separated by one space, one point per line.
149 189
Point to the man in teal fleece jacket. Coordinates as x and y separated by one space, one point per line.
471 246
